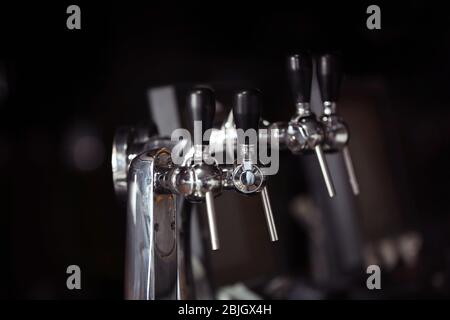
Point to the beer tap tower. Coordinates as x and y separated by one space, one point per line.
155 186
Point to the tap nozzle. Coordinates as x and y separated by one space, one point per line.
305 133
329 75
248 177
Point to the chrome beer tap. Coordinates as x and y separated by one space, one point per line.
304 133
156 181
248 177
199 179
329 76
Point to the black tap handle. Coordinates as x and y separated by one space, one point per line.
247 109
329 76
300 76
201 105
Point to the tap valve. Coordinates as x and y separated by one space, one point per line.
304 133
248 177
329 76
199 181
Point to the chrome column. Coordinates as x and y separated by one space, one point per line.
151 250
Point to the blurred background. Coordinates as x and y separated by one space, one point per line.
64 92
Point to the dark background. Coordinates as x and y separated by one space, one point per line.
63 84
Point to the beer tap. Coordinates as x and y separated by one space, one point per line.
329 76
304 132
200 178
247 175
153 175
